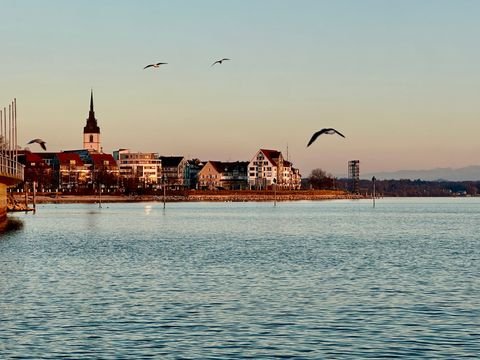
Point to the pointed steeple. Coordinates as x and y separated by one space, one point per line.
92 126
91 100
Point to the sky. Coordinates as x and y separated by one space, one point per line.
399 78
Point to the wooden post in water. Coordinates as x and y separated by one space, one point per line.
34 197
25 191
373 192
164 183
274 192
99 195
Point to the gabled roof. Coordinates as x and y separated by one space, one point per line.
225 167
171 161
65 158
216 165
99 159
271 155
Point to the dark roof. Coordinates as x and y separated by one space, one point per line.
99 159
171 161
32 157
65 158
224 166
26 157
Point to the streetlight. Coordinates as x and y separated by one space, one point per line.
373 181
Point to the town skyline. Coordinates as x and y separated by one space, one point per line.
394 78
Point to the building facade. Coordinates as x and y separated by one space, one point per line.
268 167
104 171
218 175
73 174
265 169
144 169
176 171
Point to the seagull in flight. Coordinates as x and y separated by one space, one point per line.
39 141
329 131
219 61
156 65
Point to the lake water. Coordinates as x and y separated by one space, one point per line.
306 280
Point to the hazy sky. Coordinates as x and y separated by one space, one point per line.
401 79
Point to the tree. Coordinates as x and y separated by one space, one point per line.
320 179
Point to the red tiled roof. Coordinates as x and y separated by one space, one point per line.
100 159
33 158
272 155
65 158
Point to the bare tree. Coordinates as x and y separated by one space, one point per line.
320 179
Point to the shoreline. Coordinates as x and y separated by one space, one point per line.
18 199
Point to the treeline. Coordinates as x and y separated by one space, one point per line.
406 187
320 179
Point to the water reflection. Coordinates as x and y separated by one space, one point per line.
10 225
310 280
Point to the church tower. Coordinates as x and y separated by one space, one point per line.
91 131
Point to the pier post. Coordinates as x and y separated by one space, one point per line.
274 192
34 196
374 195
25 192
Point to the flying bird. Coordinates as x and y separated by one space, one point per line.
219 61
154 65
329 131
39 141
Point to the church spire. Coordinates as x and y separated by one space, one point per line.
91 101
91 131
92 126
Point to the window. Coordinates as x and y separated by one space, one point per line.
91 138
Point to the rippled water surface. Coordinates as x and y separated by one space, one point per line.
310 280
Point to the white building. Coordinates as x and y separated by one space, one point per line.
268 167
146 168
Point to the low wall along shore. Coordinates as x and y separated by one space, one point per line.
222 196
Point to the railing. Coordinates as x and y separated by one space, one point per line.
9 166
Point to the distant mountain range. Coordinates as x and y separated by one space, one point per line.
461 174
